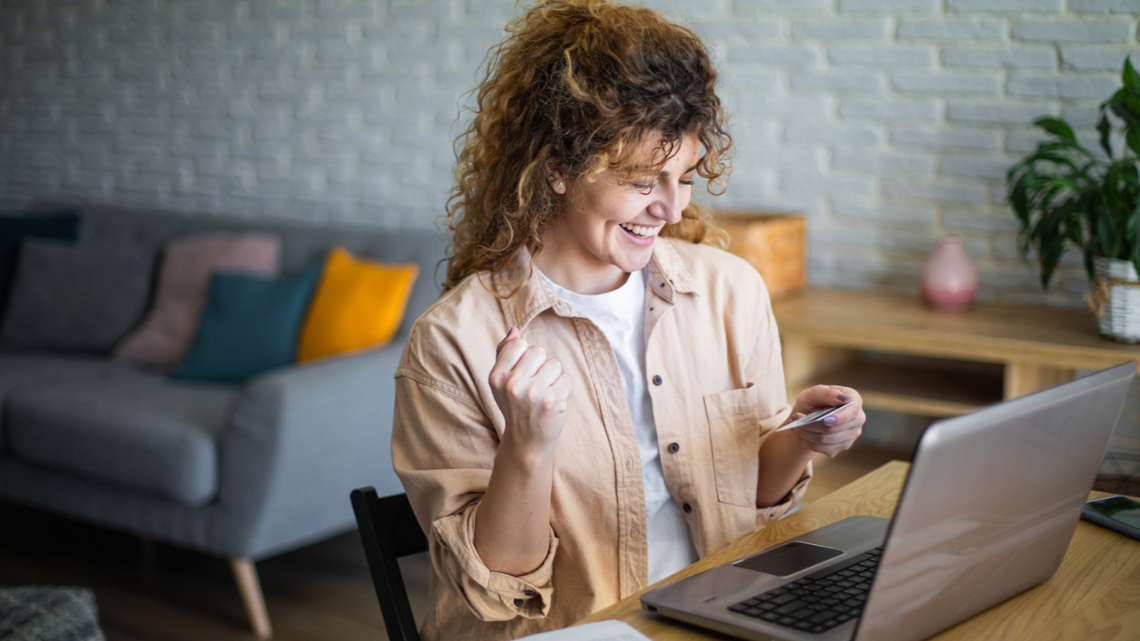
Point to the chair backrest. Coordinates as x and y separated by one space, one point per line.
389 530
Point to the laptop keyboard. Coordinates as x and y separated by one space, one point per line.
817 602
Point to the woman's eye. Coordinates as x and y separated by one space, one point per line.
686 181
642 186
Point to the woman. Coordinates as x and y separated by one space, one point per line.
590 406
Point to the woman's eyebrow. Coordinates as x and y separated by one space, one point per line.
665 174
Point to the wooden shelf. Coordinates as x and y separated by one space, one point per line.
921 386
1062 338
938 364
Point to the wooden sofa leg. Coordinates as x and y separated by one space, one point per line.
250 587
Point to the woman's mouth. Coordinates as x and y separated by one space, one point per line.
640 231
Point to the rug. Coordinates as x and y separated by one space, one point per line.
48 614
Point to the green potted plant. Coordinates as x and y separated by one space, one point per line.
1066 197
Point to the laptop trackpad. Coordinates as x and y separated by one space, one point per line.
789 558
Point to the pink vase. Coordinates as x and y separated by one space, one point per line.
949 280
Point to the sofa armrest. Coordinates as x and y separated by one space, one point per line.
300 439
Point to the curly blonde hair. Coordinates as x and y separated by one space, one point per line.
581 83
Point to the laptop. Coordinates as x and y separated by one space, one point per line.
987 511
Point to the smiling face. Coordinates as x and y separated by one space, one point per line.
606 228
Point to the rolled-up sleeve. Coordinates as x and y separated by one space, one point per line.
492 596
765 515
766 364
443 449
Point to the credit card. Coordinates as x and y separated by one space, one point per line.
814 417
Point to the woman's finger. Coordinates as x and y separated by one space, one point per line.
823 396
531 360
558 394
512 334
547 374
507 359
561 387
842 421
829 438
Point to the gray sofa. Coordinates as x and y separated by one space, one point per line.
237 471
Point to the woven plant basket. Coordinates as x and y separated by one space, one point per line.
1115 299
772 243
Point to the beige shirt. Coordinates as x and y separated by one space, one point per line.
717 387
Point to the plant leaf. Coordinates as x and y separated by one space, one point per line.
1132 101
1105 130
1063 183
1122 105
1106 230
1019 198
1060 148
1135 216
1110 185
1050 258
1129 77
1132 136
1057 127
1057 159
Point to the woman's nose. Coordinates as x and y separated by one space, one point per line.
669 205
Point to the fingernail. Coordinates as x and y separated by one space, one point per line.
843 397
830 420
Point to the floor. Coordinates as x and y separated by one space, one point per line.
150 592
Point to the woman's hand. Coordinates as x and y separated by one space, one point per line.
837 432
531 392
512 533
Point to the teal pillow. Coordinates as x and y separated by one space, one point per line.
250 325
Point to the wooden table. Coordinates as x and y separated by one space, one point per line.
903 357
1094 595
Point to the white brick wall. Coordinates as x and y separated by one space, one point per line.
889 122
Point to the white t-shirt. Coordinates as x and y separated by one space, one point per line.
620 315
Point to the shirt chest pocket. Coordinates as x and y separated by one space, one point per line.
734 431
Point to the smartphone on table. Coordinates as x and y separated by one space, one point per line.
1118 513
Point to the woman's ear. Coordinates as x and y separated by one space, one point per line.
554 176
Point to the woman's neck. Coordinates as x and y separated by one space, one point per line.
578 276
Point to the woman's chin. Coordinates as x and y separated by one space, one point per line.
634 261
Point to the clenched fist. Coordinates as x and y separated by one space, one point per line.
532 393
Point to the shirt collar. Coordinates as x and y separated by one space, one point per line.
667 271
667 274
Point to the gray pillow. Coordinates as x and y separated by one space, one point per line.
83 297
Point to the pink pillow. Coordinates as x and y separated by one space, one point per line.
183 284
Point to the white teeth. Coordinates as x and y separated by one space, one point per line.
641 231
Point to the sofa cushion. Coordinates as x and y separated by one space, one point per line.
14 229
138 431
358 305
83 297
250 325
33 370
302 243
183 283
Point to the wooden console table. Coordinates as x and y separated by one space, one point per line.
905 358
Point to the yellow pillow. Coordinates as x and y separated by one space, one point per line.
358 304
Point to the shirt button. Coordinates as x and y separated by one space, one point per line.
674 448
518 603
530 593
657 380
687 508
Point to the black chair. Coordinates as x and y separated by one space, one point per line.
389 530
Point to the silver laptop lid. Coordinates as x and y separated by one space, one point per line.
1020 473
